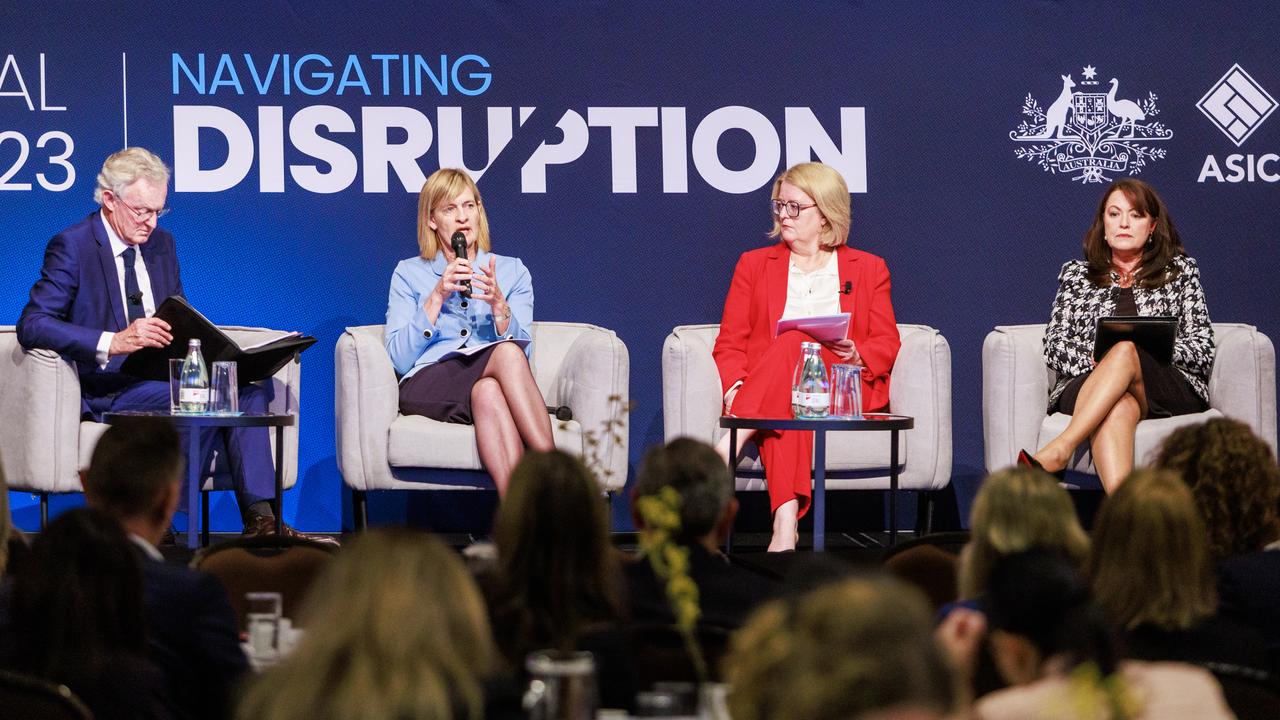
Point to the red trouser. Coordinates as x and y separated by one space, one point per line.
766 393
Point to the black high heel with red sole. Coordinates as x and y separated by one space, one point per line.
1026 460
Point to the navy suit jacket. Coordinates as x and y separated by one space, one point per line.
77 298
194 637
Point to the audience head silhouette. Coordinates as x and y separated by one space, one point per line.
698 473
1015 510
396 629
135 475
1233 475
844 650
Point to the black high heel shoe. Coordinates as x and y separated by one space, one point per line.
1026 460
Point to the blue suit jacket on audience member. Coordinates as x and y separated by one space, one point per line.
1248 586
77 298
195 638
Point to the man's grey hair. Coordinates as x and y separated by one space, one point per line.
698 473
124 168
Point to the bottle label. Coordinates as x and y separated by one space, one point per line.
193 395
811 400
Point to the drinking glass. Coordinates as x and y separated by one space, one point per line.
562 686
846 392
224 390
264 624
175 383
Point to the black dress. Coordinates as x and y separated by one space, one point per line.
1168 392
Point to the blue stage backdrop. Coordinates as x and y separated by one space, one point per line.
625 151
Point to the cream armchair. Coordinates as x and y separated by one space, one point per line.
579 366
921 388
44 444
1016 383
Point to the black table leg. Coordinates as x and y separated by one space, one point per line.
733 478
819 490
193 486
893 488
279 508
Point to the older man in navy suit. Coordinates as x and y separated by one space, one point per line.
101 282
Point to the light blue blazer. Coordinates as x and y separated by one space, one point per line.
413 342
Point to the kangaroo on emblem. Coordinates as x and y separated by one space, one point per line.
1055 118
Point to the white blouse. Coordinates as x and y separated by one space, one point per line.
810 294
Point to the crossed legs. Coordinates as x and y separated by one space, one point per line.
1111 402
509 413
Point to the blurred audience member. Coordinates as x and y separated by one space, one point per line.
856 649
1056 649
1236 483
77 618
1016 509
135 476
1150 570
396 630
557 581
727 592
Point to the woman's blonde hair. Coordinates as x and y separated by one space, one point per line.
125 167
1150 560
838 652
828 190
1018 509
396 628
440 189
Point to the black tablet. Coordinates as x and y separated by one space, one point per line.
1154 334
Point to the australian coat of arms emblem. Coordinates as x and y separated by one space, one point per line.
1090 133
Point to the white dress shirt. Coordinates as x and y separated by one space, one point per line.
118 247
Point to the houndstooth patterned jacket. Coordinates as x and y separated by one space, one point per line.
1068 341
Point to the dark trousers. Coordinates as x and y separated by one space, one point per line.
248 450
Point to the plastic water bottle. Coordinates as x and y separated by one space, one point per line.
193 390
810 388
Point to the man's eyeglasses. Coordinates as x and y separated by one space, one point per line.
792 208
144 214
451 210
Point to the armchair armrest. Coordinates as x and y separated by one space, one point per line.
921 387
1243 382
691 398
40 410
593 382
1015 389
366 402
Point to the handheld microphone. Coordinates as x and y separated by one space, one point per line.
847 289
459 244
135 298
562 412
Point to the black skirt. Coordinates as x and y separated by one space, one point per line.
442 391
1168 392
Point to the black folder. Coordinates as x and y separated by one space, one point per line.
254 363
1155 334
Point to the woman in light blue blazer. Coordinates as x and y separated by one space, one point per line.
458 329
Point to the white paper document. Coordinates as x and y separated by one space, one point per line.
473 349
823 328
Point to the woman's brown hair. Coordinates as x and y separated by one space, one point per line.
1158 253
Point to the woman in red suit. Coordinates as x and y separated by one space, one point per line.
811 272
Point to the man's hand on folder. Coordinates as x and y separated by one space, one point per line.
142 333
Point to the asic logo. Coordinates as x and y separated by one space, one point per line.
1237 104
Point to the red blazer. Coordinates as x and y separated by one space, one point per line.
758 295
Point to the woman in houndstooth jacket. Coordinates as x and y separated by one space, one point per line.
1134 265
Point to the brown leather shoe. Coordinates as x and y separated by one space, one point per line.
265 525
